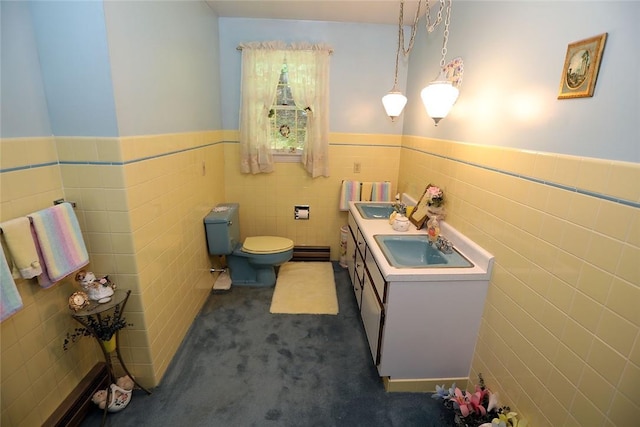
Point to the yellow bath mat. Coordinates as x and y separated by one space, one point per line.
305 288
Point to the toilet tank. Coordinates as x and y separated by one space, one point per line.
222 228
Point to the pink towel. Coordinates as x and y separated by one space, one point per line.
350 192
60 239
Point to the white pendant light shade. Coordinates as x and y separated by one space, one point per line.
394 103
438 98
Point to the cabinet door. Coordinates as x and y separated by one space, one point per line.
377 279
360 242
358 277
351 255
372 314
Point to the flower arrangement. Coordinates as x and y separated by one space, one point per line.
104 327
434 196
477 409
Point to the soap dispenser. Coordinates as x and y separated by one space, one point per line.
433 229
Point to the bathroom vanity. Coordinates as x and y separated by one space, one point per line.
421 322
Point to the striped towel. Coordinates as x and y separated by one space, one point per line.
350 192
10 300
43 279
60 240
381 192
22 249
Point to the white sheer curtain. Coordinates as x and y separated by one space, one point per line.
308 69
261 67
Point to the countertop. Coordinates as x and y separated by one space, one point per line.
481 259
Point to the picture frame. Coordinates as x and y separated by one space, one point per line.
419 216
581 66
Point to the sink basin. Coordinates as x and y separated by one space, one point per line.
375 210
414 251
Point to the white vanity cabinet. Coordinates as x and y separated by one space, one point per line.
355 258
421 324
369 287
372 313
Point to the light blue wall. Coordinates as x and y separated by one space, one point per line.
72 47
165 67
168 77
362 68
88 68
513 58
23 106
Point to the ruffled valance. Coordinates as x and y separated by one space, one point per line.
280 45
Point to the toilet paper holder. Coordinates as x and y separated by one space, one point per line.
301 212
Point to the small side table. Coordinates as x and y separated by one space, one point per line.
112 312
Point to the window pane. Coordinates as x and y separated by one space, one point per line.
288 124
302 118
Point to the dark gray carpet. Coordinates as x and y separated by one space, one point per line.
239 365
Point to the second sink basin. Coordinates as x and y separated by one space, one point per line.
371 210
414 251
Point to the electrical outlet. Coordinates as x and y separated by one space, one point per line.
356 167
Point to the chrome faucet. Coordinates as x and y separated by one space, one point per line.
398 206
443 245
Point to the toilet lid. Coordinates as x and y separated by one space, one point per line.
266 244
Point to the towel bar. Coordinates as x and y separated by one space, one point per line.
55 202
58 201
360 183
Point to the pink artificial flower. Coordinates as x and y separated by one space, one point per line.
433 191
461 400
475 401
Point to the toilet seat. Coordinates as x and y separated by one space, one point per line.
266 244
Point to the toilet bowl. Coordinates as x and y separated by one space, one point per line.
252 262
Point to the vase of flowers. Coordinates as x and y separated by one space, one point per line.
479 408
435 201
103 328
109 345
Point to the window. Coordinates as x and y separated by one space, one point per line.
265 126
288 122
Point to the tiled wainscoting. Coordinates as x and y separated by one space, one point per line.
560 337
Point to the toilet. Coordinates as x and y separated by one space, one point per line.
252 262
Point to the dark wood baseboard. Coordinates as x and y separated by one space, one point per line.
75 407
311 253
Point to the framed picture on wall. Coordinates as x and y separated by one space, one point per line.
581 66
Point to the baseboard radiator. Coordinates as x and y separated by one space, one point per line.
75 407
311 253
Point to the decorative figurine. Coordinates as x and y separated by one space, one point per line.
99 290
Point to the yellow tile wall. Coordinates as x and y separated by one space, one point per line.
559 338
140 204
560 333
172 181
267 200
36 372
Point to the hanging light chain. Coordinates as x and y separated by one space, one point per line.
431 27
414 27
447 21
400 41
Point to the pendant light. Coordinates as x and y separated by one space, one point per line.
439 96
394 101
